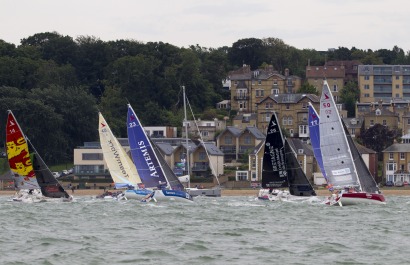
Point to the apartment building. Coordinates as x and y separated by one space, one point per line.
383 82
249 87
292 112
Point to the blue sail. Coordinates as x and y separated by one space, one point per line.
315 138
143 154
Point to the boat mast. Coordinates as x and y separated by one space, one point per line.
186 138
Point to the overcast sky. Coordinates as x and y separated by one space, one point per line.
304 24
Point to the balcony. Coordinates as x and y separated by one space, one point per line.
241 97
228 149
200 167
245 148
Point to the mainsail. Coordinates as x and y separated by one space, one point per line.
50 187
299 185
274 174
122 170
146 160
337 158
18 156
366 179
313 122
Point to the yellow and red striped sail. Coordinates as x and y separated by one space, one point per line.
18 156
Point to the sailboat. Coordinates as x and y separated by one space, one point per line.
120 165
31 174
345 169
152 168
282 176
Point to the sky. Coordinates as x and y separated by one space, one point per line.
304 24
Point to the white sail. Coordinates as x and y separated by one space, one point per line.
121 167
337 158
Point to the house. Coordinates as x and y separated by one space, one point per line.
205 130
380 115
396 162
292 112
161 131
334 75
354 126
244 120
249 87
227 142
236 143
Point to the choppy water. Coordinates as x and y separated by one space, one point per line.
226 230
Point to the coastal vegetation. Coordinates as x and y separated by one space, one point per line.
56 84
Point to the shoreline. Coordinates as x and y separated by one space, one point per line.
225 192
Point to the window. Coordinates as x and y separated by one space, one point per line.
92 156
366 77
366 95
259 93
241 175
391 166
253 161
371 122
291 132
408 121
335 88
397 77
290 120
285 121
267 117
287 106
391 156
353 131
401 156
202 155
247 139
304 105
384 122
303 129
204 133
300 163
259 82
275 91
269 105
366 87
397 86
228 139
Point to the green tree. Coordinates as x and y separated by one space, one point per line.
349 95
379 137
307 88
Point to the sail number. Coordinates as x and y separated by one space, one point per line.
132 124
326 105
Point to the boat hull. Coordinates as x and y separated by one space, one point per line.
358 198
159 195
138 194
172 195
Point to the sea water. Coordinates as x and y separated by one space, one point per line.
225 230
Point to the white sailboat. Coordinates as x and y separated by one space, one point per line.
341 160
122 169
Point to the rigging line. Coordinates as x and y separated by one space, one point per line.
203 143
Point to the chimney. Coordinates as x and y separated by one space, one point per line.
286 72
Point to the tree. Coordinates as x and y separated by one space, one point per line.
349 95
307 88
249 51
378 138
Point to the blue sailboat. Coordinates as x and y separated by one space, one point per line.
152 168
313 121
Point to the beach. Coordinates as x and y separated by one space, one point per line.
227 192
